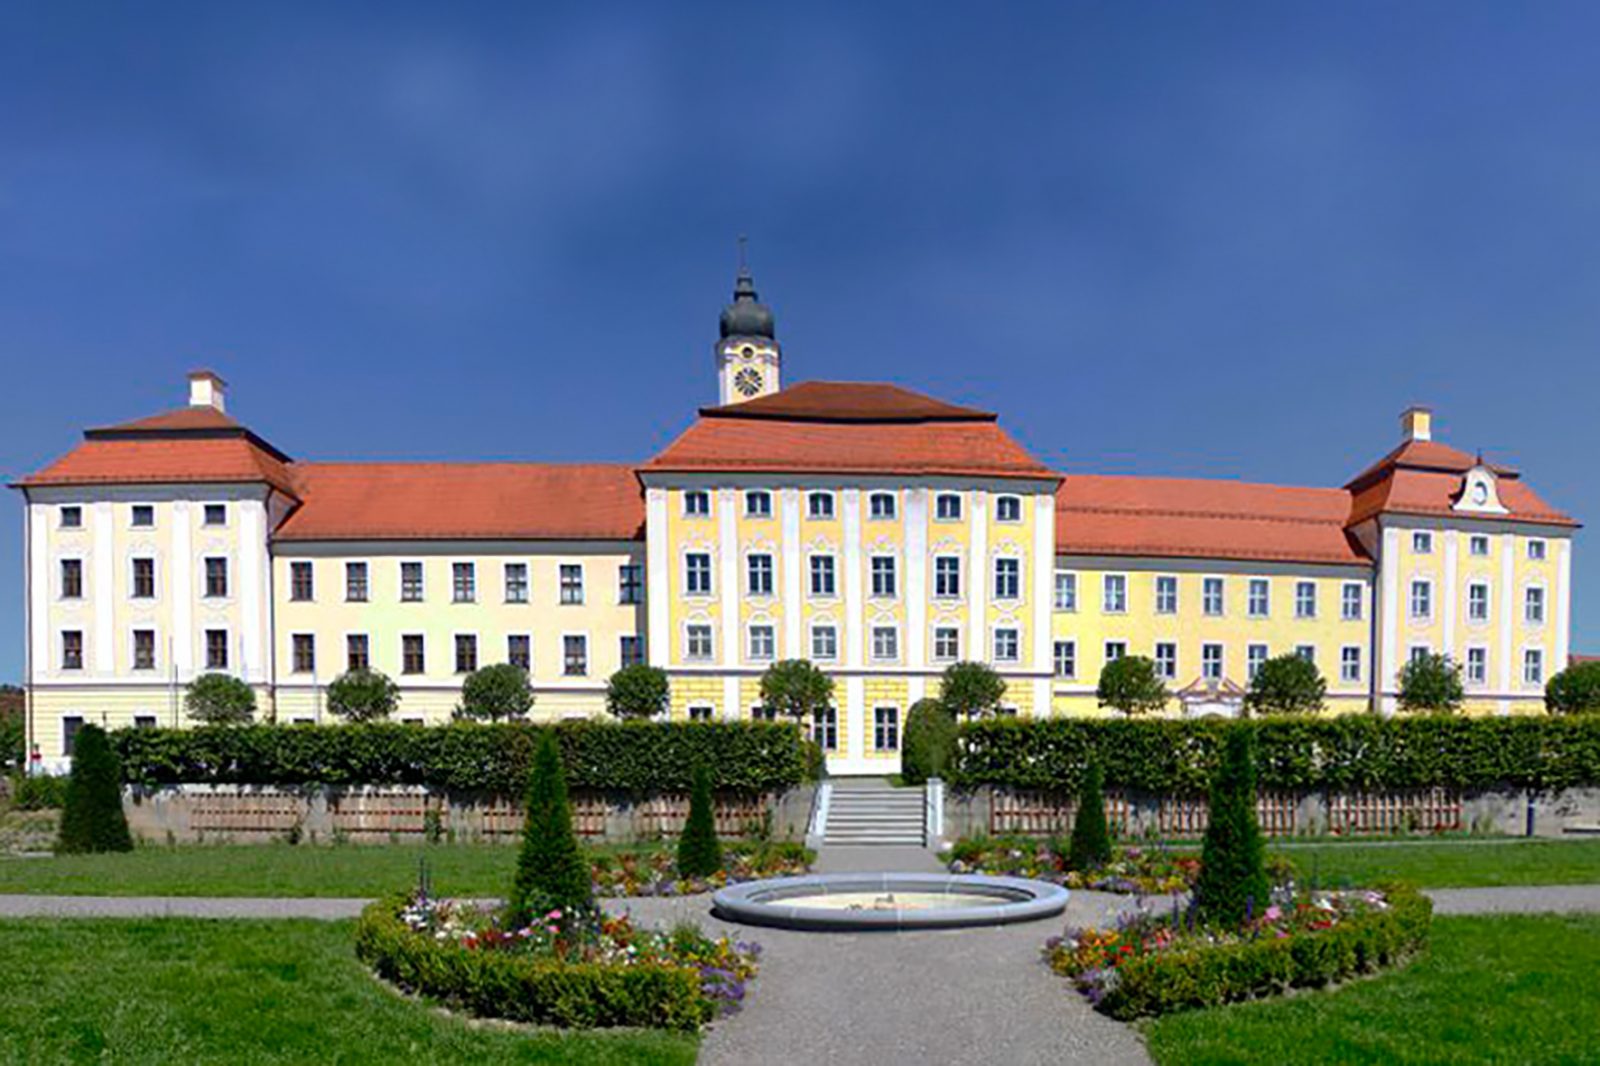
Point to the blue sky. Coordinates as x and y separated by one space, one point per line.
1221 240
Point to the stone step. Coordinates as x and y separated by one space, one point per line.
885 839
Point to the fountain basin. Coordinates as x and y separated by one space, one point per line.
887 901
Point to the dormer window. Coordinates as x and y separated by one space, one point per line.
697 503
819 505
758 503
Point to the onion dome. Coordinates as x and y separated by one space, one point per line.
747 316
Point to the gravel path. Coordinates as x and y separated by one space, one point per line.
177 907
1515 899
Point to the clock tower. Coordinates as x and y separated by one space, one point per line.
747 351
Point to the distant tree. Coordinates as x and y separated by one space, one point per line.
220 699
638 691
363 696
796 689
91 817
699 850
496 692
1431 682
1091 840
1287 684
1575 690
929 742
1131 685
971 690
1233 872
551 869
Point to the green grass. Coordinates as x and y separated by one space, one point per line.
1503 989
1448 864
189 991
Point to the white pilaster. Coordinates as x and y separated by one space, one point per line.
789 501
1506 652
978 579
657 576
1452 549
855 689
916 690
1389 562
1042 705
1043 568
916 539
39 650
1563 549
103 566
252 589
850 501
728 573
731 711
180 567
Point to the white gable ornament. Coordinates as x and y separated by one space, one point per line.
1479 493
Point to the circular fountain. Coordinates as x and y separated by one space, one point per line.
846 902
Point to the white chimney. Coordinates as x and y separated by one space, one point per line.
1416 423
206 389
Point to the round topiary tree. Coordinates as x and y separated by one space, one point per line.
363 696
1431 683
796 689
638 691
971 690
496 692
1233 873
699 850
551 870
1091 839
1287 684
219 699
91 817
930 741
1575 690
1131 685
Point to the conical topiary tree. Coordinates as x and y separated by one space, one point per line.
1233 874
699 851
91 817
551 870
1091 841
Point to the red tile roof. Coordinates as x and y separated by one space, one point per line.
848 401
1425 478
222 460
1203 519
467 501
181 418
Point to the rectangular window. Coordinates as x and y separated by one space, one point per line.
411 582
697 574
696 504
301 585
1115 649
1066 593
571 576
1477 666
72 517
701 713
630 583
575 655
357 652
946 643
1536 550
1350 602
216 649
947 577
1167 660
1477 602
463 582
144 721
1066 658
144 516
1114 594
1422 543
1422 599
466 653
759 575
1308 652
1255 657
216 514
1211 662
1260 597
1166 594
822 576
516 579
886 728
1532 666
1478 545
305 653
69 733
947 507
761 643
758 503
72 579
884 586
1533 605
630 651
355 582
885 643
697 642
819 505
216 577
1006 645
824 643
1008 509
144 649
881 506
1305 599
1350 663
1419 652
413 656
825 729
1211 596
1007 579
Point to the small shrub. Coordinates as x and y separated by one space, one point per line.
971 690
551 870
220 699
1287 684
1233 872
1131 685
496 692
1432 683
363 696
929 743
699 851
1575 690
91 817
1091 840
796 689
37 792
638 691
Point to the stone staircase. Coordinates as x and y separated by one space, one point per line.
867 810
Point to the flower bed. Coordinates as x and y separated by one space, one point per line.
573 971
1131 869
1154 964
654 872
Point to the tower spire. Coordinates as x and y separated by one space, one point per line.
747 352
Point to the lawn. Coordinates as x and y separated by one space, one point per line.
176 990
1503 989
1449 863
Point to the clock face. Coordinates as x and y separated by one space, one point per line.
1480 493
747 381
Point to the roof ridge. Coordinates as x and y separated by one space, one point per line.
1168 512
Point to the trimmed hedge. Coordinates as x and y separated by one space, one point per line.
1209 976
538 991
636 757
1349 752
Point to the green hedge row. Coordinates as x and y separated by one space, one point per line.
636 757
1208 976
538 991
1348 752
